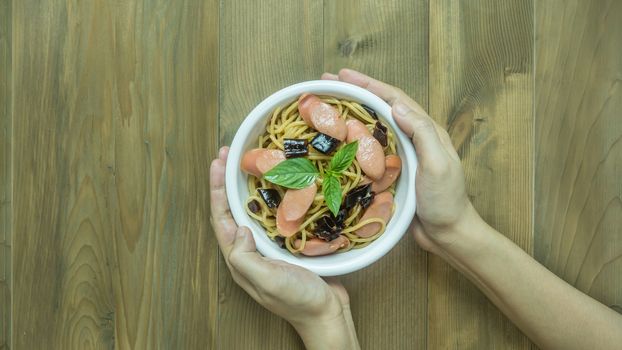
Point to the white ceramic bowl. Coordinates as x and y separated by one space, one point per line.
237 188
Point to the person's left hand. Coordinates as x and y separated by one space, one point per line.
299 296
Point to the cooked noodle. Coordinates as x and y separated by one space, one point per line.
286 123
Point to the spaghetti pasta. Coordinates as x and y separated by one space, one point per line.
286 123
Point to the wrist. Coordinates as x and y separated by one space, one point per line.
470 243
335 332
461 228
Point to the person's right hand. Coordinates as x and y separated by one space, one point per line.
442 203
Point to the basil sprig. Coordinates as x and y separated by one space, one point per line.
343 158
331 188
297 173
293 173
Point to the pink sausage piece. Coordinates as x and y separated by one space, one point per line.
317 247
259 161
322 117
369 154
293 208
393 167
381 207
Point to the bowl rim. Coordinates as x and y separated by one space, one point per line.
398 223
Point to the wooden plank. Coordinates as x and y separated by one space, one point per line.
5 173
481 88
389 42
579 144
165 134
110 141
265 46
63 155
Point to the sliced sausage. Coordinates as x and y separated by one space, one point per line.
381 207
317 247
369 154
292 210
259 161
322 117
393 167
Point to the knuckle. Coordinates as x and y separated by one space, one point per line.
234 259
423 123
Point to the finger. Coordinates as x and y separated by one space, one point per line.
384 91
224 225
245 259
387 92
422 130
329 76
223 153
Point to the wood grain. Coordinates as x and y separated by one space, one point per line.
110 112
5 173
480 87
112 248
389 42
167 262
579 144
62 275
265 46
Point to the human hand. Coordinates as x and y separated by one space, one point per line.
443 207
318 310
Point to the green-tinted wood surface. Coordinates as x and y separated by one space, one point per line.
111 111
112 138
578 188
5 173
387 40
62 228
264 46
481 88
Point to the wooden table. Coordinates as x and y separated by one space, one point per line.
110 112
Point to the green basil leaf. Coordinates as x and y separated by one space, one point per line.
331 188
343 158
293 173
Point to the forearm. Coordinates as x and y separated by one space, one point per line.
547 309
333 334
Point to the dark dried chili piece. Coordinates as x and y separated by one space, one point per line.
254 206
366 201
270 196
380 134
340 218
382 127
280 241
328 227
356 194
325 223
370 111
324 143
295 148
327 235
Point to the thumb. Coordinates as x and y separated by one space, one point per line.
245 259
421 129
244 241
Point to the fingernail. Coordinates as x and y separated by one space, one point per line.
222 153
401 109
240 233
